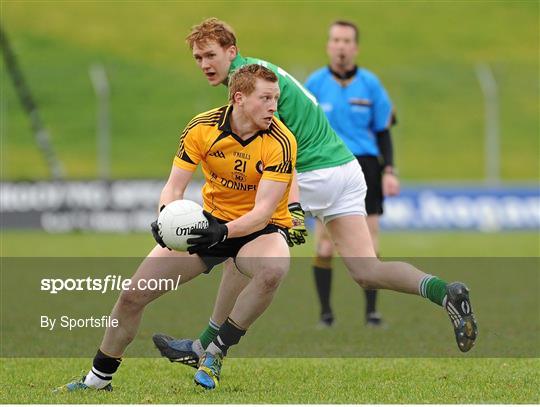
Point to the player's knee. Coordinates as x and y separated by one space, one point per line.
270 277
364 272
325 249
360 279
132 300
365 283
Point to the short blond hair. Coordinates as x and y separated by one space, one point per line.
244 79
209 30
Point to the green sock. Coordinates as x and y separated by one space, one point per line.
433 288
209 334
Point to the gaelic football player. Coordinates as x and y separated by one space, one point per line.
332 188
247 158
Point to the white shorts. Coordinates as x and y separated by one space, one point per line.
329 193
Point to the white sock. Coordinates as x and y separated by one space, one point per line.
196 347
213 349
422 285
97 379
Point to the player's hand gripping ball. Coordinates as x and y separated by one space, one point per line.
176 222
210 236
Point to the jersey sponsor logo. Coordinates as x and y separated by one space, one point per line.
218 154
239 186
238 176
245 156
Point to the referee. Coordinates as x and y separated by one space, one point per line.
360 111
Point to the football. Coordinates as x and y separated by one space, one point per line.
177 220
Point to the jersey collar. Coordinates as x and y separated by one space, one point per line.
237 62
225 127
346 76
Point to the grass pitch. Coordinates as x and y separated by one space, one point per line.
316 379
276 380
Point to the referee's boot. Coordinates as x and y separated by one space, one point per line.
459 309
326 320
375 320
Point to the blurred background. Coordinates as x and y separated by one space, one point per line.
114 84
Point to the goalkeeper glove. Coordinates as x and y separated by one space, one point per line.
155 231
215 233
298 231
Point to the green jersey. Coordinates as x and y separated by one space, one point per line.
318 145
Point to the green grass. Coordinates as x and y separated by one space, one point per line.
379 366
426 58
389 381
395 244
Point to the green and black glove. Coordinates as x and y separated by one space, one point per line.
298 232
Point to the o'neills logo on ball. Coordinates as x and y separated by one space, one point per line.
203 224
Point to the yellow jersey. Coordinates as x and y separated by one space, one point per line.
233 167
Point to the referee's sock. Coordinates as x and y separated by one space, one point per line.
322 272
371 301
103 368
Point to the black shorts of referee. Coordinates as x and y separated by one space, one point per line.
372 169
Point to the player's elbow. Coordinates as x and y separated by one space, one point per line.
172 191
264 215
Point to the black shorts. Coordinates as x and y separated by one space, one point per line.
230 247
372 169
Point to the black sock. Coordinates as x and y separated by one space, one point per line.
371 297
371 300
105 366
229 334
323 281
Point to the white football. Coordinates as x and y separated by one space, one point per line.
176 221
